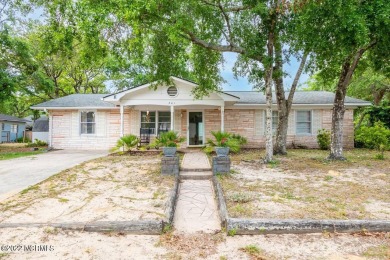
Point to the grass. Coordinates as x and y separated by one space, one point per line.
12 155
378 252
16 150
304 184
254 251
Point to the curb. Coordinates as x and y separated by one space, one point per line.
239 226
142 227
171 203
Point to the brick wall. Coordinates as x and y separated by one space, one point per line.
246 122
250 123
66 130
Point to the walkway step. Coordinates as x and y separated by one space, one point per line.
195 170
195 175
196 161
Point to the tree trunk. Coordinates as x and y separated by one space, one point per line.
281 131
268 121
268 94
336 146
349 66
284 106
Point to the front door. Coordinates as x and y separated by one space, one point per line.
195 128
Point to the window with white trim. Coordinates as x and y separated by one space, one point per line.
152 120
87 122
303 122
164 121
14 128
148 121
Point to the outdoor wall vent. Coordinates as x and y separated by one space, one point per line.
172 91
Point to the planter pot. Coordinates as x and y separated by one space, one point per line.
222 151
169 151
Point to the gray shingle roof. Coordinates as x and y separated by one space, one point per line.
77 100
300 97
41 125
246 97
8 118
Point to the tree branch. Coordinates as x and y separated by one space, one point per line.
227 20
296 78
218 47
229 9
355 61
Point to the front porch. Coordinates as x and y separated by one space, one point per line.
192 122
171 107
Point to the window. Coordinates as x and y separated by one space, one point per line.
164 121
153 120
14 128
303 122
2 126
275 121
148 121
87 122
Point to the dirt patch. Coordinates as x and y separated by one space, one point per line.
304 185
82 245
112 188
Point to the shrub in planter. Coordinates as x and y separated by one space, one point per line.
323 139
374 137
224 142
126 143
169 142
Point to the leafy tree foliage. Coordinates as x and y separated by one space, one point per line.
340 33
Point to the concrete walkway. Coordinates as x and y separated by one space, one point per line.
17 174
196 209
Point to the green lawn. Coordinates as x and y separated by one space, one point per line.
16 150
12 155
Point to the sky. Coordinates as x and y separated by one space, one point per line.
232 84
242 84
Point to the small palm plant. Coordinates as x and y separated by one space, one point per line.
168 139
126 143
225 139
169 142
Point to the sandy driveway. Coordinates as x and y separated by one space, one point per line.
17 174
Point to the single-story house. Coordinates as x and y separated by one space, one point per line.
40 129
96 121
11 128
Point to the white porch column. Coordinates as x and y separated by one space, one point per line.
222 118
172 117
121 112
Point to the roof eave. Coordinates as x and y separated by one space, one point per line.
73 108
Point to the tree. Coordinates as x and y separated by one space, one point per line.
368 85
186 38
340 33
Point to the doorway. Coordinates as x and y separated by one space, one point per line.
195 128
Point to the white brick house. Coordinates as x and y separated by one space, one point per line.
96 121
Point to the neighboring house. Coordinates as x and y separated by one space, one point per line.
96 121
40 129
11 128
